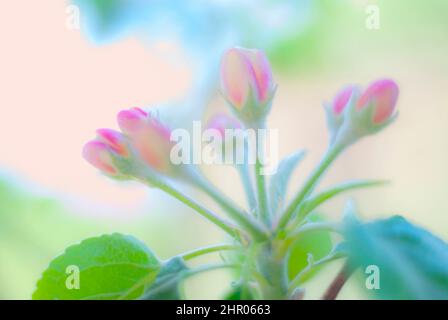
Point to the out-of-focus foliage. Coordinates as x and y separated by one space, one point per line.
202 29
35 228
413 263
29 229
106 268
318 244
198 24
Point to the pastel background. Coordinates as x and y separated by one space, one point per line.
57 85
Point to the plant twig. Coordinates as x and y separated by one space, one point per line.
338 282
263 206
248 187
243 219
210 267
206 213
202 251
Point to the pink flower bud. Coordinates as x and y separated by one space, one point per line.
221 122
114 139
150 138
131 120
246 73
383 96
341 99
98 154
372 111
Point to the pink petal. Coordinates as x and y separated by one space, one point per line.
97 154
131 120
113 139
262 71
235 73
384 94
342 98
221 122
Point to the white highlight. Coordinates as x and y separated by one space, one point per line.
210 147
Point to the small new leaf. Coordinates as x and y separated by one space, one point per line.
315 201
279 181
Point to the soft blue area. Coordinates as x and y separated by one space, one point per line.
204 28
197 24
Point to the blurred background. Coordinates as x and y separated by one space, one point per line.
61 80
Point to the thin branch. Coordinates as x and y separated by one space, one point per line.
210 267
338 282
260 182
245 220
202 251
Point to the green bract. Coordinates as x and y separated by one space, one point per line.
278 185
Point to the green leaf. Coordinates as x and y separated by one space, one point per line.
109 268
239 292
413 263
166 286
317 243
278 184
315 201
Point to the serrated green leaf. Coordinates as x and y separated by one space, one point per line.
413 263
315 201
317 243
278 184
166 286
109 267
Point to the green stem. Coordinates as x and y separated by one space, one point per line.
245 274
202 251
329 157
311 203
273 266
210 267
262 195
243 171
263 208
224 225
242 218
181 275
